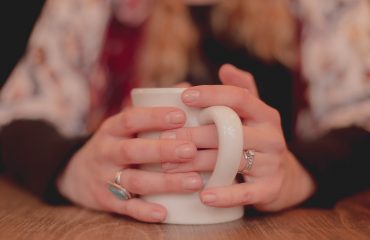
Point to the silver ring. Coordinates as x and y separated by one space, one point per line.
116 188
117 178
249 160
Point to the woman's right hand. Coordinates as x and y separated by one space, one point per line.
114 147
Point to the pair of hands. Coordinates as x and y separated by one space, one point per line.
276 181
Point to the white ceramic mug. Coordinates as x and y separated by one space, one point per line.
186 208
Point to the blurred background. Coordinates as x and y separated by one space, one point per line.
17 18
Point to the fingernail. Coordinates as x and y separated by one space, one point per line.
158 215
175 117
209 197
185 151
169 166
168 135
190 96
192 183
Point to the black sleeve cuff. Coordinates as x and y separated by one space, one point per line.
339 162
33 153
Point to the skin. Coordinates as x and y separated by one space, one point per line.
276 181
114 147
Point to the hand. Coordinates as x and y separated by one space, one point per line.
276 180
114 147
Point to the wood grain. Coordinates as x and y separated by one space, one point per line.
24 217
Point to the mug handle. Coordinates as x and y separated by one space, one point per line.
230 143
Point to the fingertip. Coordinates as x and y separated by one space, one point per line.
158 215
190 96
208 198
186 151
225 68
151 212
183 85
192 182
229 73
175 117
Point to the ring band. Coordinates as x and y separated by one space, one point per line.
117 178
116 188
249 159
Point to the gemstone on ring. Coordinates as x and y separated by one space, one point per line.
249 158
120 192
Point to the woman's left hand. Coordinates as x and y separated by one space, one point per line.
276 179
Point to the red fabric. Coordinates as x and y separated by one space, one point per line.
118 58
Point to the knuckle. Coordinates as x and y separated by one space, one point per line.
131 181
275 116
162 151
139 186
277 143
106 125
276 189
249 77
280 165
101 200
142 214
127 208
277 166
183 134
155 115
126 121
241 96
104 151
187 134
170 181
245 197
124 152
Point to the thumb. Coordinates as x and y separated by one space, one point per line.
230 75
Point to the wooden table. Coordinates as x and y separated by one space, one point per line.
24 217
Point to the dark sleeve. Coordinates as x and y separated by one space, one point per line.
339 162
33 153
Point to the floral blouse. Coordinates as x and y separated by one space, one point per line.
59 77
55 78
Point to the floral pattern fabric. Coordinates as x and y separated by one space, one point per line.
53 80
336 64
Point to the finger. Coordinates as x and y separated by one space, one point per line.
263 164
145 182
182 85
104 200
140 150
241 100
231 75
134 120
260 138
137 209
231 196
205 161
